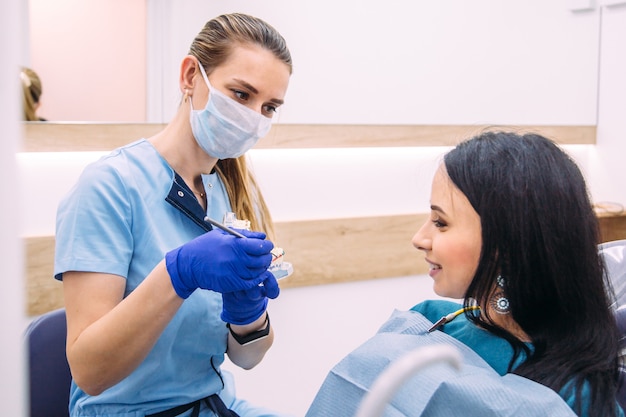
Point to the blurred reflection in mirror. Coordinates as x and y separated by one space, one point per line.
31 94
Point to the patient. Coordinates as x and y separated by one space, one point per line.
512 234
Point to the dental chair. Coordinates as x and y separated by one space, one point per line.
614 255
392 378
620 314
399 371
48 370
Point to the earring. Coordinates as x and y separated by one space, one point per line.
186 95
498 301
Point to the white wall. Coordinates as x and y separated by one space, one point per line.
416 62
607 159
12 318
316 326
298 184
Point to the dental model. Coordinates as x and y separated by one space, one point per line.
278 267
241 224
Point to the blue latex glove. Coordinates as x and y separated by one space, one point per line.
220 262
245 306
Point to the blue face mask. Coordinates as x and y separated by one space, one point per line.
225 128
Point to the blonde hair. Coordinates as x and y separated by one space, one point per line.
31 92
212 46
245 195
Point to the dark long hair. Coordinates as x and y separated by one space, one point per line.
540 233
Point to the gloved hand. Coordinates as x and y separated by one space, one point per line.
245 306
220 262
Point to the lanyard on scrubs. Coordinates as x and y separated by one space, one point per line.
181 197
449 317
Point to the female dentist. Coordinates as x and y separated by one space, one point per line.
154 296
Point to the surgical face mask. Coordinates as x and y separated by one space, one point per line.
225 128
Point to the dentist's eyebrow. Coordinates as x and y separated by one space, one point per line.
437 208
255 91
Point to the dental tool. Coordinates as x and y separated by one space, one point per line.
448 318
221 226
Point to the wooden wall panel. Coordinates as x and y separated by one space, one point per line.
67 137
321 251
612 226
342 250
43 292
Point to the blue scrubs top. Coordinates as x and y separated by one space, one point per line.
497 352
116 220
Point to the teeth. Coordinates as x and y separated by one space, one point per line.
434 266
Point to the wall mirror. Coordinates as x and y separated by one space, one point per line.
355 63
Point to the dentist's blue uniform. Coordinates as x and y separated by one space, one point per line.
126 211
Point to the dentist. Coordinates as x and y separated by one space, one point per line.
154 296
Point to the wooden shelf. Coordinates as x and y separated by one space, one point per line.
325 251
68 137
612 226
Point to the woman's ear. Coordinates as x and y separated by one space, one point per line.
188 72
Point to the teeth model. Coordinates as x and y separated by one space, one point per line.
278 267
241 224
